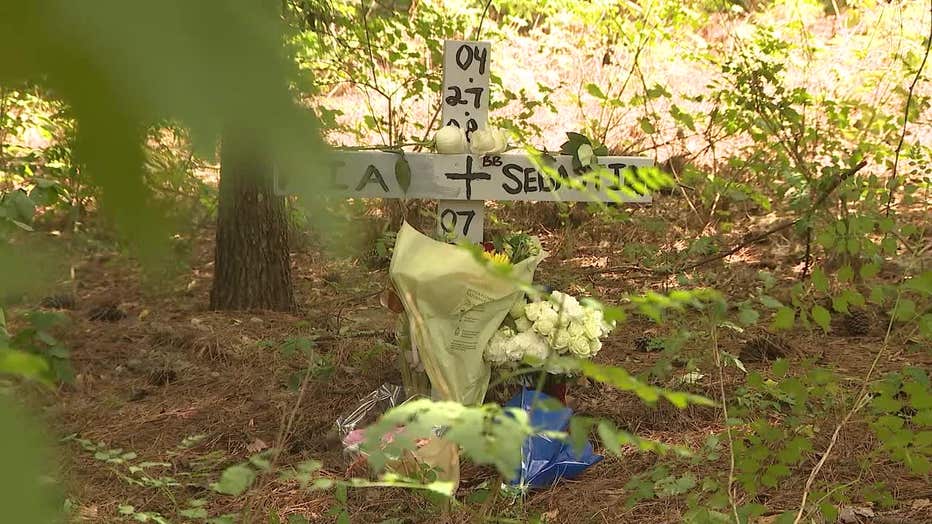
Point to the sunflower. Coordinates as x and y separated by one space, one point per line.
496 258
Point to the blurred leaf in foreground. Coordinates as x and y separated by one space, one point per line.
124 66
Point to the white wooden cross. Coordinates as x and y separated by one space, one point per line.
463 182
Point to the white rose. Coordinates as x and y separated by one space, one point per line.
607 327
576 329
592 324
450 140
594 347
517 310
579 346
523 324
501 141
561 340
568 306
533 310
482 142
547 322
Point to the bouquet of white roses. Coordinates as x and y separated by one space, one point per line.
559 325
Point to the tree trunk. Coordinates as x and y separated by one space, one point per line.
252 266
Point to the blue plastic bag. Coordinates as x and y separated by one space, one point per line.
544 460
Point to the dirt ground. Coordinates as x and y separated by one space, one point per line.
171 370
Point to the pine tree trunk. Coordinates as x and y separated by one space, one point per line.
252 266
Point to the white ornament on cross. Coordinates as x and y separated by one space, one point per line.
463 182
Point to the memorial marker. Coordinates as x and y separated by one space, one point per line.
461 183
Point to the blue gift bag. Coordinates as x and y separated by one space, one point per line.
544 460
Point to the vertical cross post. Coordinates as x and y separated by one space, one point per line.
465 104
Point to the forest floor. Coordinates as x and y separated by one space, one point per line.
172 370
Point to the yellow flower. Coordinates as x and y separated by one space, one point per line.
496 258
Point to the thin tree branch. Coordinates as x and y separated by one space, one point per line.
909 101
482 19
782 225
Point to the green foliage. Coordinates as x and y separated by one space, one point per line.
33 351
902 418
128 88
235 480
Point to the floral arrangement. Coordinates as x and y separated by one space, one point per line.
511 249
557 325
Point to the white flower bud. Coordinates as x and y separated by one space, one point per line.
501 141
482 142
585 154
450 140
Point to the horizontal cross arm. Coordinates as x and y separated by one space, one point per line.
510 176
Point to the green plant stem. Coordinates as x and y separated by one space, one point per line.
731 443
909 101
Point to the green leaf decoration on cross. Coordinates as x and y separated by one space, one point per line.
403 173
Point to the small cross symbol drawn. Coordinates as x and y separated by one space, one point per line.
468 176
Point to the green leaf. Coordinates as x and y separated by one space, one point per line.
671 487
826 238
886 404
822 317
845 273
840 303
403 173
682 117
853 245
784 318
322 484
23 364
646 125
609 437
905 310
819 280
194 513
235 480
780 367
829 511
888 245
595 91
748 316
921 284
869 270
770 302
